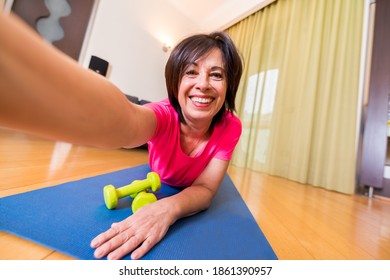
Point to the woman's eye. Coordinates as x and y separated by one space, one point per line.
191 73
216 76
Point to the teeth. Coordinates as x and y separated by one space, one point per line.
201 100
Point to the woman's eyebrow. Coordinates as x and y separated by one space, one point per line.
217 68
213 68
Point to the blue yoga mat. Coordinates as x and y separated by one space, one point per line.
68 216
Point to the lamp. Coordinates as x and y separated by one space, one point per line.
166 47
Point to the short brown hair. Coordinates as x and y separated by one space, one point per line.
193 48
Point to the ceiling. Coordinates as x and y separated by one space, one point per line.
217 14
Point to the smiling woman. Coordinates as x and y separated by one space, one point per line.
191 135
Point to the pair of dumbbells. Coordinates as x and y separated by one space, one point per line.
139 190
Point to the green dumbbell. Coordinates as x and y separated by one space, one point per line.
151 183
142 199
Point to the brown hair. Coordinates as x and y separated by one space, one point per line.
193 48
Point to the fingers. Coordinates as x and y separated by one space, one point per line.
126 245
103 237
144 248
112 239
124 242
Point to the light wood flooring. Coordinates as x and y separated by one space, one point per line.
301 222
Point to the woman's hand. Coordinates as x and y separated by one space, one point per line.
137 234
150 223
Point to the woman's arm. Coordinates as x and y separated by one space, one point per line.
44 92
149 224
198 197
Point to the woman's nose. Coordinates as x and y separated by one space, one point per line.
203 82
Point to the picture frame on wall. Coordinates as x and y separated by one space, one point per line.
67 35
6 5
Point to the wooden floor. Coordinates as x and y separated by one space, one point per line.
301 222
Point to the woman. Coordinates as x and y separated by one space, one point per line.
191 135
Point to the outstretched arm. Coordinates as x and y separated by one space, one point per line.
44 92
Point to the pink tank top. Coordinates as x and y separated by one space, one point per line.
166 156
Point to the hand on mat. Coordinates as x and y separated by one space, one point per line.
145 228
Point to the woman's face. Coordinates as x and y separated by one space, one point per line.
202 89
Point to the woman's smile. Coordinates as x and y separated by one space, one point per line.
199 101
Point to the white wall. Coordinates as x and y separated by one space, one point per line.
129 34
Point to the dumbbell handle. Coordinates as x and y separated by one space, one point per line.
133 188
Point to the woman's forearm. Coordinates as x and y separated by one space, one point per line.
200 194
42 91
189 201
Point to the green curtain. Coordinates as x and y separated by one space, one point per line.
298 97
